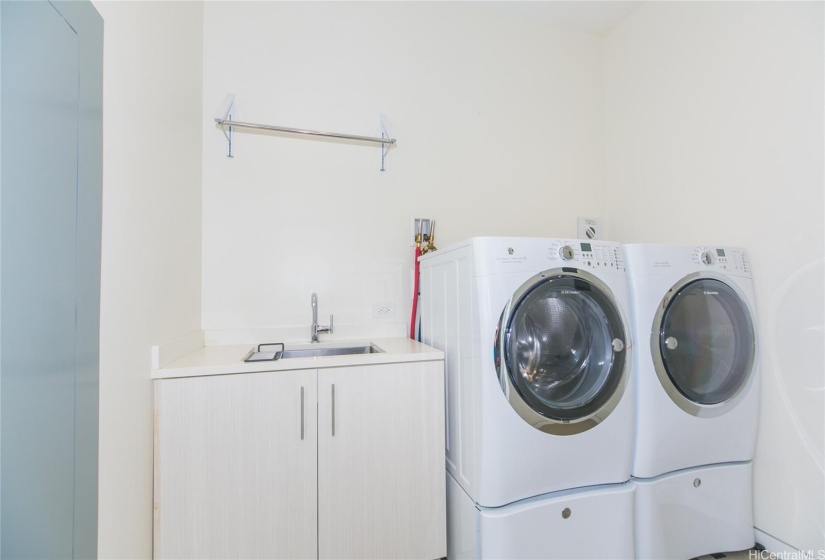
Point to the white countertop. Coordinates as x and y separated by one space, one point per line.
218 360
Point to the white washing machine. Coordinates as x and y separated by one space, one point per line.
697 398
539 394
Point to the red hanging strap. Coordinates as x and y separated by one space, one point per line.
415 291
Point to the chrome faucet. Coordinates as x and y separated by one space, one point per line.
317 329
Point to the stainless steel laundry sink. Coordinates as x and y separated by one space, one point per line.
324 351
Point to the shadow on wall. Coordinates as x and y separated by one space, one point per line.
795 324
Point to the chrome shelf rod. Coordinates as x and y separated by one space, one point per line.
239 124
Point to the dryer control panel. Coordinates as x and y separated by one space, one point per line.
722 259
590 255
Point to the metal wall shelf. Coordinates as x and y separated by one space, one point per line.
228 125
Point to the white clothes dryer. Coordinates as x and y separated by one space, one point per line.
697 399
697 376
538 384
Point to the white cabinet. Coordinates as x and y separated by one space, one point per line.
236 466
333 463
381 471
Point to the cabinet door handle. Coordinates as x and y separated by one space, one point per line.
302 412
333 410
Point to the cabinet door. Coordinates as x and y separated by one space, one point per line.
236 466
381 462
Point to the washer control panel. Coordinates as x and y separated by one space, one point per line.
594 255
726 259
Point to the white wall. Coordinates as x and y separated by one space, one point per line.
714 135
151 270
500 132
505 127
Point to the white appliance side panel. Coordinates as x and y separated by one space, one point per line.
462 523
695 512
584 524
446 309
668 438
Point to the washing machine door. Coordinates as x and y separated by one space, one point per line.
703 344
561 353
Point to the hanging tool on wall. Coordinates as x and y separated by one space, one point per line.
414 314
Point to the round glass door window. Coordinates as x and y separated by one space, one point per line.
706 341
563 347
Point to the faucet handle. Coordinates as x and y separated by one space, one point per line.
319 329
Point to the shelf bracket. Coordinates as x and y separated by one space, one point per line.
385 148
228 108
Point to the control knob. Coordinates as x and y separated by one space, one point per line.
706 257
566 252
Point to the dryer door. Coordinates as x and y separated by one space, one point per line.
703 344
560 351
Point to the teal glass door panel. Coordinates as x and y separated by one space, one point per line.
88 24
38 280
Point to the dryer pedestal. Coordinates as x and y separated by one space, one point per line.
694 512
586 523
